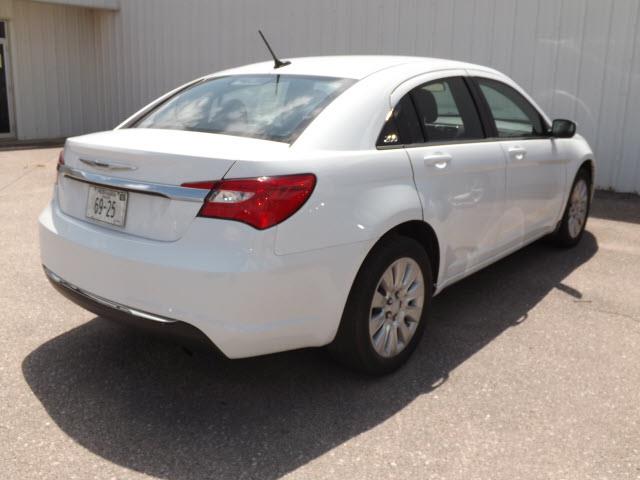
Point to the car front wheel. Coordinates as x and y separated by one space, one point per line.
574 220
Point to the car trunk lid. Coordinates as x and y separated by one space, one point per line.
150 165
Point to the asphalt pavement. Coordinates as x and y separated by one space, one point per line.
529 369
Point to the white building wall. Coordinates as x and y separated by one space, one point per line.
579 58
105 4
53 68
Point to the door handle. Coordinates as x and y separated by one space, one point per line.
517 152
438 160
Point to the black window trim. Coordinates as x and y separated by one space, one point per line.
416 114
487 116
482 107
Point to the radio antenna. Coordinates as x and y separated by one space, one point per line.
277 63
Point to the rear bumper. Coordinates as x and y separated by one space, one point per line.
145 321
223 278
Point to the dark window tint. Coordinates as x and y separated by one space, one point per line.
401 128
2 31
514 116
272 107
446 111
438 111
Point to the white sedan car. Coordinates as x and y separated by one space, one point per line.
321 202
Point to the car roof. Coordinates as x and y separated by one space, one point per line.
348 66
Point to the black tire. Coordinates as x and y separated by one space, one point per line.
353 345
562 237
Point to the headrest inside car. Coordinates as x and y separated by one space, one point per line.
426 105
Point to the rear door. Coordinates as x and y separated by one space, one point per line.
460 177
535 171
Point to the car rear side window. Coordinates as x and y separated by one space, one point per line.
446 111
401 127
438 111
513 115
272 107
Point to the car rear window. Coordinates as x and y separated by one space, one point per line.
272 107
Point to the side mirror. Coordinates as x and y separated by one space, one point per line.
563 128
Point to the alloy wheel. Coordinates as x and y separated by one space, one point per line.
578 207
396 307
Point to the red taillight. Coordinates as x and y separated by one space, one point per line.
260 202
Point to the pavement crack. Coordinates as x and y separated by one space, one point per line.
16 180
618 314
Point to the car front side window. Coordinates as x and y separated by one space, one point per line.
513 115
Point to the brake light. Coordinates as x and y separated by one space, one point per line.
260 202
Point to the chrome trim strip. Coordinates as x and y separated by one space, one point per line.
103 301
110 166
172 192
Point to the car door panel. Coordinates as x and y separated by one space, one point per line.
460 177
535 173
535 182
462 190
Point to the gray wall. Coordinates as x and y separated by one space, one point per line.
579 58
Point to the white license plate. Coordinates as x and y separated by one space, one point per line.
107 205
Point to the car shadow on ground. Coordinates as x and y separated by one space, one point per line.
150 407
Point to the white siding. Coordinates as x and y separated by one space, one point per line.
579 58
105 4
6 9
54 70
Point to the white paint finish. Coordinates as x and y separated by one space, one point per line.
261 291
464 201
222 277
154 154
147 216
536 176
363 111
353 66
359 197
